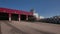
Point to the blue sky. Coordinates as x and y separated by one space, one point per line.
46 8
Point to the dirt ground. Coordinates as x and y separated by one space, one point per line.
22 27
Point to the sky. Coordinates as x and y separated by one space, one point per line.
46 8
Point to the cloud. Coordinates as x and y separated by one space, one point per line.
41 17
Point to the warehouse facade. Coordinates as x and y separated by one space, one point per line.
11 14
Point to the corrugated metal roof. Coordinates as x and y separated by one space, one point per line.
7 10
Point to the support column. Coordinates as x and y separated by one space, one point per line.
19 17
26 17
9 17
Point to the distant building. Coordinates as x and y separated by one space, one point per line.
36 14
56 16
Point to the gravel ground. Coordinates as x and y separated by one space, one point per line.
22 27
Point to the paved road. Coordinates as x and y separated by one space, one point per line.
16 27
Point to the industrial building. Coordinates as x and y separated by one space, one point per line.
11 14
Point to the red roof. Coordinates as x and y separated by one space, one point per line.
6 10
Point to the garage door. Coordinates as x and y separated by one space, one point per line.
4 16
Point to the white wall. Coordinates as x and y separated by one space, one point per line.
36 15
